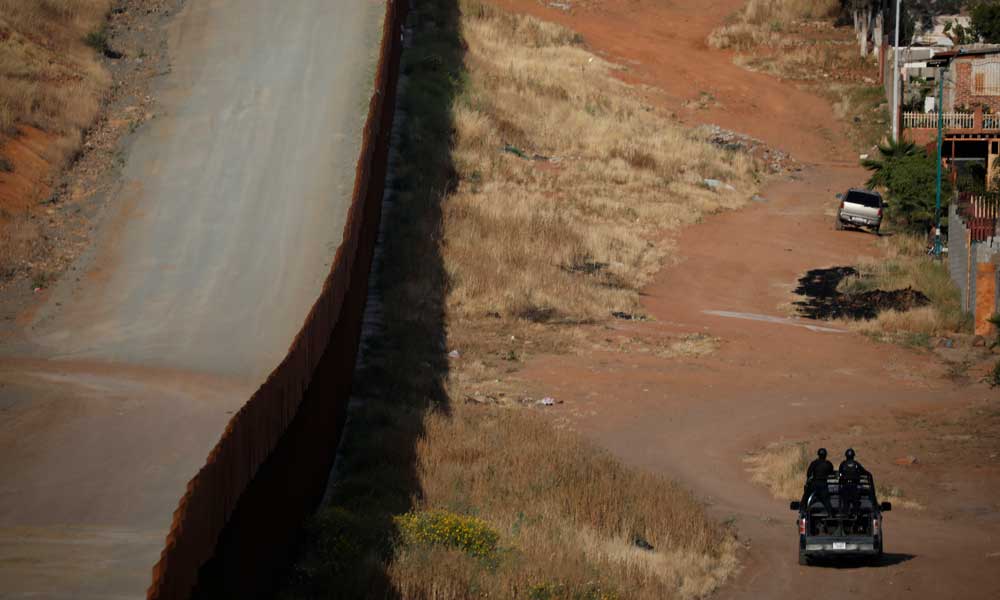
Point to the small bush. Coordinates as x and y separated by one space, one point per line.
469 534
97 39
5 165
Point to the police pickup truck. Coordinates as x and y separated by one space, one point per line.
854 528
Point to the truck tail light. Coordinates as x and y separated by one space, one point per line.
841 205
875 528
880 213
802 526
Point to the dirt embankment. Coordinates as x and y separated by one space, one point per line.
75 85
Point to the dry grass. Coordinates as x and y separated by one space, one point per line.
567 514
492 253
904 263
49 78
764 22
781 468
566 239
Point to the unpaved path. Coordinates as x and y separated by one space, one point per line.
230 210
695 418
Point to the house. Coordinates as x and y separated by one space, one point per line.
971 115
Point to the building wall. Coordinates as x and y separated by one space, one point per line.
964 95
986 294
958 255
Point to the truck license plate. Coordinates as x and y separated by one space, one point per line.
840 545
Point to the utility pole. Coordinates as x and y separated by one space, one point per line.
895 80
940 143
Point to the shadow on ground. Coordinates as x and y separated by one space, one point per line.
824 300
888 559
346 549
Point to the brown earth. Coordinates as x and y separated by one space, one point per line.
775 378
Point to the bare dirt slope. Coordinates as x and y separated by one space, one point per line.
773 378
230 210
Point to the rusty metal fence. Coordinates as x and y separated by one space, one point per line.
313 377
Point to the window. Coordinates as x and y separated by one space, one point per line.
986 76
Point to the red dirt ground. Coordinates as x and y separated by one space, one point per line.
694 419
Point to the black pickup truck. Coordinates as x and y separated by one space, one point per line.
854 528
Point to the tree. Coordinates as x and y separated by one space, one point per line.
909 177
986 21
891 152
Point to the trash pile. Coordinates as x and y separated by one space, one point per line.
775 161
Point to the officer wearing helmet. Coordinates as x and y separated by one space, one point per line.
816 484
851 472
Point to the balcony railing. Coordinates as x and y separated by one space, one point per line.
915 120
976 121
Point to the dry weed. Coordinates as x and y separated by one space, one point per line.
904 263
49 78
565 236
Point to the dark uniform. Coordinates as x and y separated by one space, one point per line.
816 484
851 472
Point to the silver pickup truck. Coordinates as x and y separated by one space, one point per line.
860 208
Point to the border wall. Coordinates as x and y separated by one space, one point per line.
270 467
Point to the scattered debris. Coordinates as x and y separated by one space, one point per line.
906 460
824 302
522 154
774 161
563 6
454 354
548 401
624 316
758 198
715 184
641 542
979 342
946 343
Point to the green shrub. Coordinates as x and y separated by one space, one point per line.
97 39
469 534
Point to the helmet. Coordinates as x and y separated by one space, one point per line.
821 453
849 454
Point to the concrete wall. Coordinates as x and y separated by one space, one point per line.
973 267
261 479
958 254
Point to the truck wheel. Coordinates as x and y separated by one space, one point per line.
803 559
838 224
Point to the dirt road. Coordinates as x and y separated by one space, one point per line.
230 210
694 419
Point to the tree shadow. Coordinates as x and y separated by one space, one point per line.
341 542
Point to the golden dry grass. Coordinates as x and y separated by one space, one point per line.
904 263
781 468
763 22
492 253
570 238
49 78
567 514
